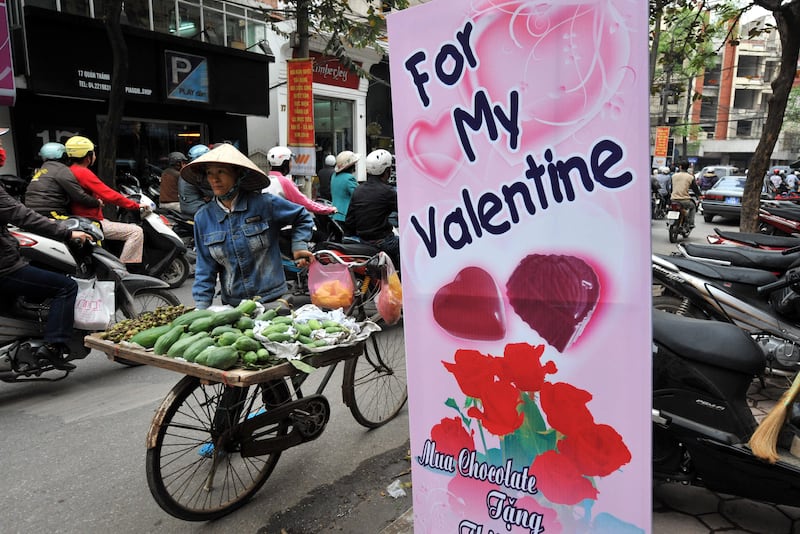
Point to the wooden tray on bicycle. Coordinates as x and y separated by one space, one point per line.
231 377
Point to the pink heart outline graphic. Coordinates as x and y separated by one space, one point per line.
433 150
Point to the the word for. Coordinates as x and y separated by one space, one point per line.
496 214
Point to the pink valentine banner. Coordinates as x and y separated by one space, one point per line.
522 153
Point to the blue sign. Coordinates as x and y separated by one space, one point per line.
692 159
187 77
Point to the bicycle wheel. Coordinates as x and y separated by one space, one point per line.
144 301
374 383
195 467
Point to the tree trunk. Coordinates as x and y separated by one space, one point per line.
787 20
107 137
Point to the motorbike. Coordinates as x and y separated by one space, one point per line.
753 240
164 254
659 204
677 222
701 420
779 218
764 305
775 261
22 321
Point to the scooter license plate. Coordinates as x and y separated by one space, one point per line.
672 215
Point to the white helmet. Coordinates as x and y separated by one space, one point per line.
330 160
345 159
663 170
278 155
378 161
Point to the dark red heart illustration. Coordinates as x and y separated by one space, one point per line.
471 306
555 295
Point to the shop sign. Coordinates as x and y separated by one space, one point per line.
523 178
8 91
187 76
330 71
300 116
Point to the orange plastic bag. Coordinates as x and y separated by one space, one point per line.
390 298
330 285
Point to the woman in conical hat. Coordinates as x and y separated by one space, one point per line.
236 234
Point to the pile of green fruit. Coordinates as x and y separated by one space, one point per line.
127 328
216 339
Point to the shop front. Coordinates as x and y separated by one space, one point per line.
340 104
179 92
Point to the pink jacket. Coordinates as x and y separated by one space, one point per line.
283 186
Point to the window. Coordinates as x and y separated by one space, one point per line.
333 126
744 128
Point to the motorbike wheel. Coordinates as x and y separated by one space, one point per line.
144 301
177 272
673 232
675 305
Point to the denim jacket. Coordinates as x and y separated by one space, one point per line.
242 247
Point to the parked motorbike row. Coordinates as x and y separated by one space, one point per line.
725 313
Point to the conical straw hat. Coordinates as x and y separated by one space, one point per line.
254 179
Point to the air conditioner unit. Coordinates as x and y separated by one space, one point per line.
709 135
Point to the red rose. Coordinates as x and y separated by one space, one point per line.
565 407
559 480
450 436
596 451
521 365
473 371
500 415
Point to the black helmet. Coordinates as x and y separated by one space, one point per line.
176 157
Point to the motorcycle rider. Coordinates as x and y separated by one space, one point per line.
82 154
53 186
168 190
682 184
324 176
192 197
371 205
18 278
280 162
343 183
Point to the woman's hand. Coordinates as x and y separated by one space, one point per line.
302 258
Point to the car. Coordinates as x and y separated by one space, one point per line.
724 198
719 170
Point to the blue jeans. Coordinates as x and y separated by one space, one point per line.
391 246
39 284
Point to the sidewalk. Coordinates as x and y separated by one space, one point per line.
679 509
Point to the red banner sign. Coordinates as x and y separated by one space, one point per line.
662 141
300 115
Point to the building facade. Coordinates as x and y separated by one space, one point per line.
200 71
732 108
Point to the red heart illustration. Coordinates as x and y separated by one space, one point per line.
433 149
471 306
555 295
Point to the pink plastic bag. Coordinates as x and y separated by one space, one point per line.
390 299
331 285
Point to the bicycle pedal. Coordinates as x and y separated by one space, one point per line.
207 450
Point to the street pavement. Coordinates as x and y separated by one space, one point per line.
680 509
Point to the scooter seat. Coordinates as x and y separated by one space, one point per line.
787 212
739 275
759 240
771 260
709 342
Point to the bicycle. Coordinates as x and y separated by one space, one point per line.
207 429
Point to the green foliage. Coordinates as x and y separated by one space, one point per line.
342 28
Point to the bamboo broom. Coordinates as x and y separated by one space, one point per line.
764 440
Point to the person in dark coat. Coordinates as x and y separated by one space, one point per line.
18 278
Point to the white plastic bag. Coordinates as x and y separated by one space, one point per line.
94 305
